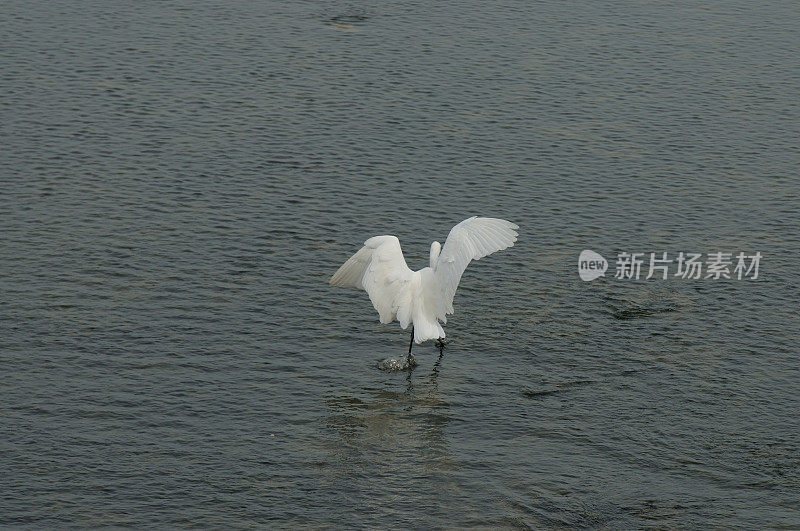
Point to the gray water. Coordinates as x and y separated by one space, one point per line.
181 179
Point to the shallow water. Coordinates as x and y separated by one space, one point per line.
180 180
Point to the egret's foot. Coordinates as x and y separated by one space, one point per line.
440 344
411 362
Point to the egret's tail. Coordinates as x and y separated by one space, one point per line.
426 307
425 329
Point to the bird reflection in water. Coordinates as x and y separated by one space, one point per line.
394 439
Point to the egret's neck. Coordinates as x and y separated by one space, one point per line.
436 248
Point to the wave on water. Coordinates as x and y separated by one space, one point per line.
398 363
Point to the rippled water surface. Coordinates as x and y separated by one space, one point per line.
180 180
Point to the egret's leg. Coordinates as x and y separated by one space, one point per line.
410 359
440 343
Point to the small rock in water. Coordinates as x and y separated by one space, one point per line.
400 363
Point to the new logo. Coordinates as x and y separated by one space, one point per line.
591 265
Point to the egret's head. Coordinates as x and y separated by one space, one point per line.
436 248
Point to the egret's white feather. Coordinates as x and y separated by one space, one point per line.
423 297
472 239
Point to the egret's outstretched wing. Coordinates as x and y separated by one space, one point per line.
380 269
472 239
352 271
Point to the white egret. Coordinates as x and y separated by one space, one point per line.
422 298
